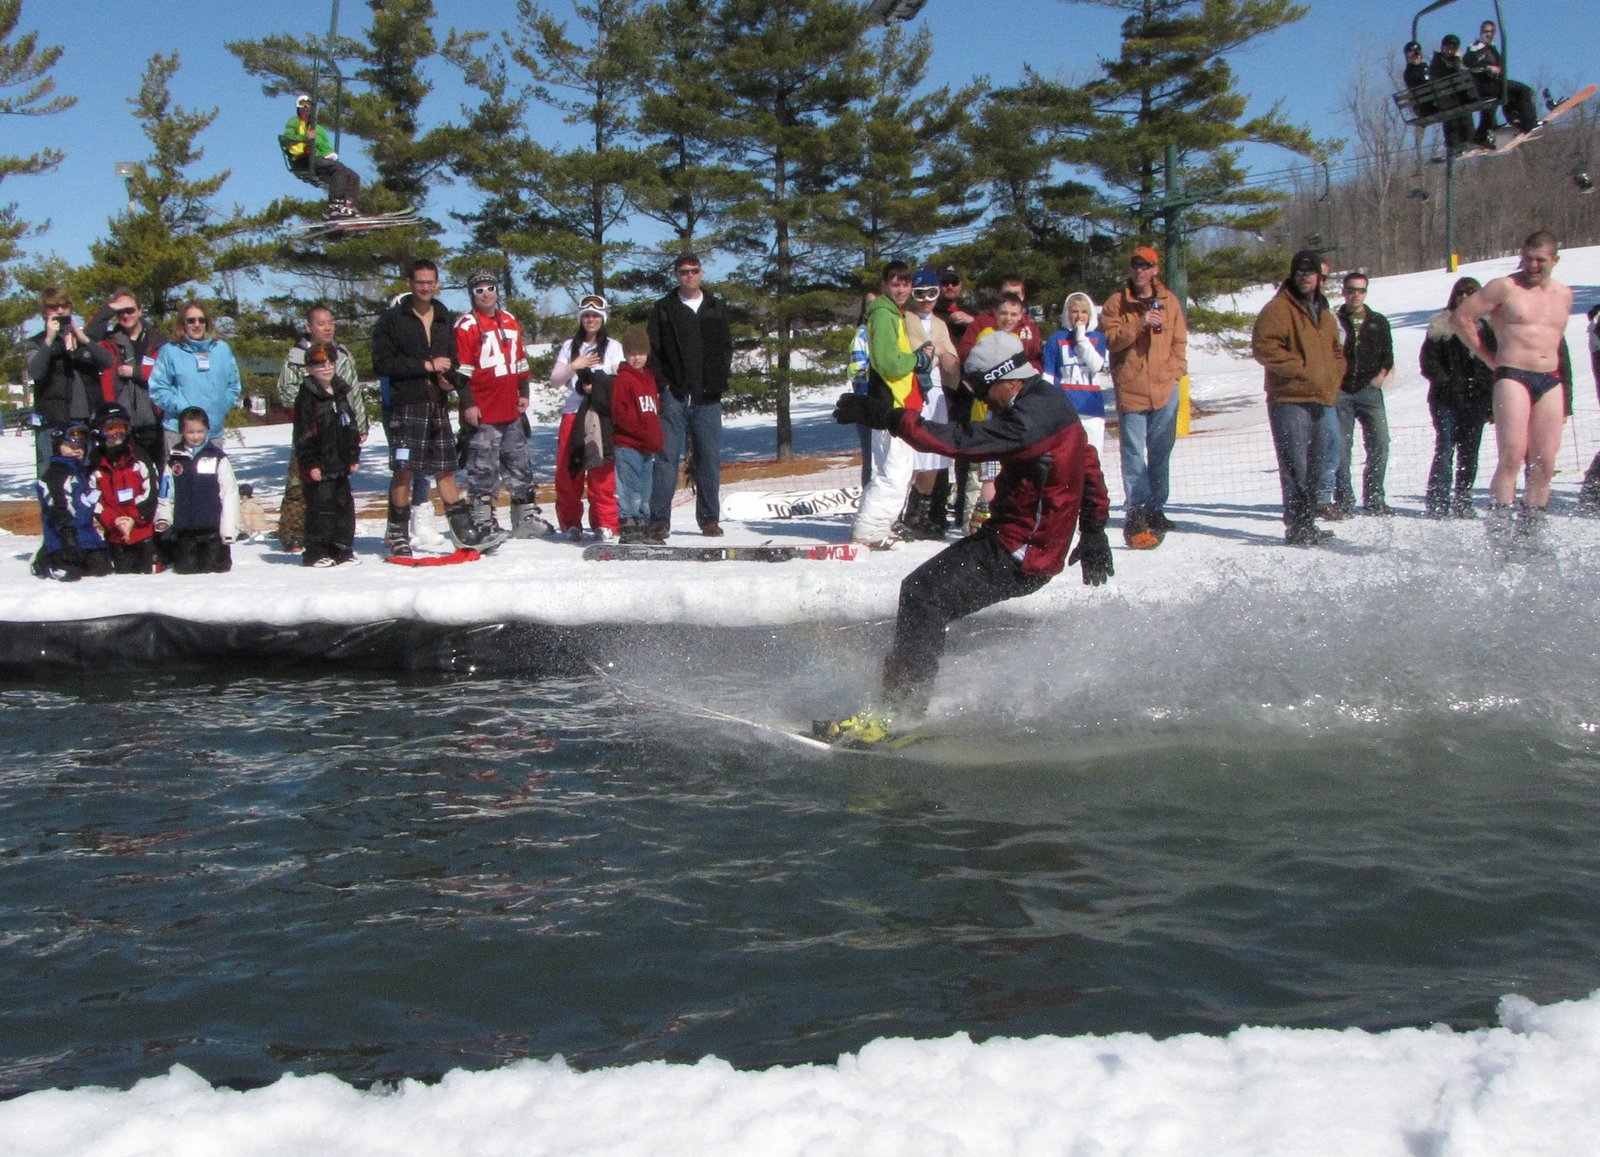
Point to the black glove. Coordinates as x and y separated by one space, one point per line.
864 410
924 361
1094 551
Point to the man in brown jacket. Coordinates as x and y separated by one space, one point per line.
1298 339
1147 338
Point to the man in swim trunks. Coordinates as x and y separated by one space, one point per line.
1529 312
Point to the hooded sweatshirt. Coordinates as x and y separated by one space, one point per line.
1072 359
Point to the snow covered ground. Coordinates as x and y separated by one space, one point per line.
1526 1086
1225 497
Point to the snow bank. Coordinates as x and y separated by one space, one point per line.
1524 1087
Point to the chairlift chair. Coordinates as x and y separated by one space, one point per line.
1446 97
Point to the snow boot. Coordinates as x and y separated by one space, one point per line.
397 534
917 524
1528 541
1136 532
424 534
1499 530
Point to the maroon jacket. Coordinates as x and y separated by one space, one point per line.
1049 483
636 410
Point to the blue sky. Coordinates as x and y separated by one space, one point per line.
1306 65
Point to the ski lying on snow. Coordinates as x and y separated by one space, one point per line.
652 552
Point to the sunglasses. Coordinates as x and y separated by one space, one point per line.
195 320
129 312
685 270
477 289
1141 265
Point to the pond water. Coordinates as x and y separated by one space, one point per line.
1368 809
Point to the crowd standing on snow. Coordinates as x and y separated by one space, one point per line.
118 407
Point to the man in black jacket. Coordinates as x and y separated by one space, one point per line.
1369 366
1457 129
134 342
1483 60
691 349
64 367
414 346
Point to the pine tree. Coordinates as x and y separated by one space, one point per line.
378 103
26 89
773 84
561 206
685 186
1042 222
1172 85
171 239
910 176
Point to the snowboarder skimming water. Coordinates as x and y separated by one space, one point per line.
1049 486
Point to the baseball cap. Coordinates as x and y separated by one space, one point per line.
1147 253
924 279
1306 261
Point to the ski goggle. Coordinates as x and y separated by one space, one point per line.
114 431
926 293
77 436
592 302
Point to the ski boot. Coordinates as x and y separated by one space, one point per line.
528 521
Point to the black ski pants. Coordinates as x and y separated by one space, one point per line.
965 577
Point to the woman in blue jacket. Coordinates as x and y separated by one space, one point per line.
195 368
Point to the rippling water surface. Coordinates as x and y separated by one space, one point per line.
1251 811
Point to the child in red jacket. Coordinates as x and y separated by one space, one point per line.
635 435
128 482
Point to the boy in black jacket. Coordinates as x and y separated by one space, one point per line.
327 445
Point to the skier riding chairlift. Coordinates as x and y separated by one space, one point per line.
310 156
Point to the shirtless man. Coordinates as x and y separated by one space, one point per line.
1529 312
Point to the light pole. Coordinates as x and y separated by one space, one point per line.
128 170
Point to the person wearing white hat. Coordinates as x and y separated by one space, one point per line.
306 146
588 358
